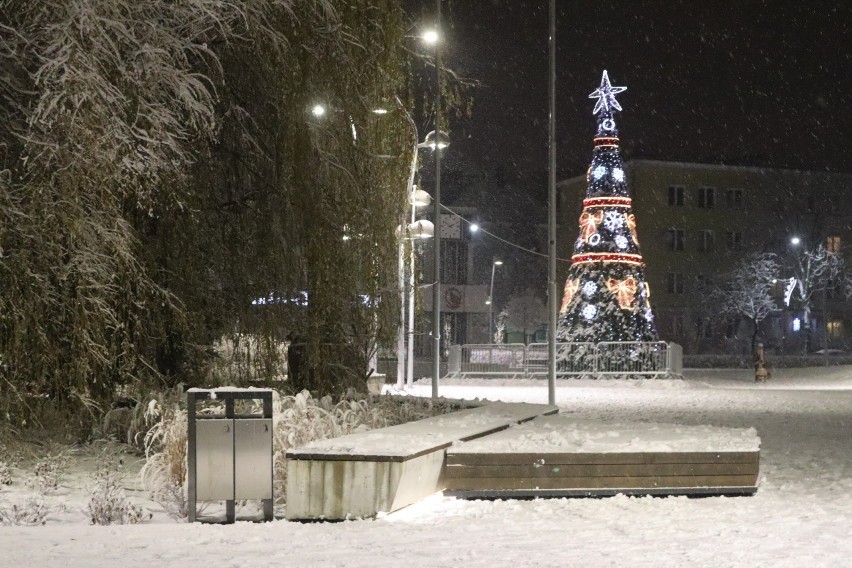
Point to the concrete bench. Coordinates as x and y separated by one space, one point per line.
555 456
383 470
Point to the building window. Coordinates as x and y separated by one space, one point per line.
735 240
677 325
676 196
708 241
835 329
675 282
674 237
832 244
706 197
734 198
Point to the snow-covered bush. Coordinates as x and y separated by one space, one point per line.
48 472
108 503
164 472
5 473
31 511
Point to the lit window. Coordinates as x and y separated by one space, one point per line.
835 329
706 197
832 244
797 324
676 196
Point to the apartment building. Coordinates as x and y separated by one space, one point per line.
697 221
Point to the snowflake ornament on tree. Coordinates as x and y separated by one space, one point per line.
613 220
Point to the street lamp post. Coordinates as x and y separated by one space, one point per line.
490 302
436 265
415 230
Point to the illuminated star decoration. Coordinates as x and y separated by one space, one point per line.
606 95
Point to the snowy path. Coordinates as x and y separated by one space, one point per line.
801 515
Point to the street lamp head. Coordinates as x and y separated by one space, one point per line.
488 302
422 229
380 111
419 198
430 36
795 241
474 228
498 263
318 111
442 141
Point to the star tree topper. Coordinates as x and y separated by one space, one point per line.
606 95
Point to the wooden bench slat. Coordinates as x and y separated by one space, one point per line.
506 483
600 470
458 456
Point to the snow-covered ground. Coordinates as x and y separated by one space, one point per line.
800 516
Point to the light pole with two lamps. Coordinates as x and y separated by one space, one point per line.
416 230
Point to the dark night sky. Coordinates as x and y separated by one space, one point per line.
743 82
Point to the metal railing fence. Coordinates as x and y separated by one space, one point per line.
606 358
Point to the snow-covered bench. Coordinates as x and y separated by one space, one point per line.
559 456
383 470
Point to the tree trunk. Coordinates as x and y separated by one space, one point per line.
806 320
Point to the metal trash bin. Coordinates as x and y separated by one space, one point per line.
229 457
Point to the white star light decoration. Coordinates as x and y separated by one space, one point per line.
599 172
589 312
606 95
618 174
589 289
621 242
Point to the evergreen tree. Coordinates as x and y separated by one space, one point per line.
606 297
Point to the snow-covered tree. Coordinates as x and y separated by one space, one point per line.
606 297
815 271
747 291
160 169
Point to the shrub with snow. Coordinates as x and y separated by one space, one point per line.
30 512
48 472
108 503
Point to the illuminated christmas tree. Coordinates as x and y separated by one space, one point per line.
606 297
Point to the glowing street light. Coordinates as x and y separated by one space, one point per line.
430 37
795 241
318 111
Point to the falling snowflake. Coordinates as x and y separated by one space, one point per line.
599 172
589 289
589 312
613 220
618 174
621 242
